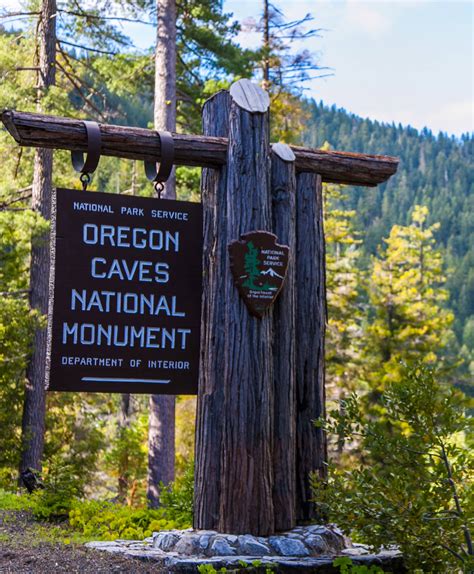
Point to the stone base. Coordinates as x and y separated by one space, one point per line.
303 549
313 540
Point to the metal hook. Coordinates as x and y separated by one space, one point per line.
94 142
85 180
159 187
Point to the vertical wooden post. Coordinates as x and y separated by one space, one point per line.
209 422
284 344
311 449
241 344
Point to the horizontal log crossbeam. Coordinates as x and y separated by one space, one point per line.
40 130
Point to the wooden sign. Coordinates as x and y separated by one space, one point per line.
259 267
125 300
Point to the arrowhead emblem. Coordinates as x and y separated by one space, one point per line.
259 265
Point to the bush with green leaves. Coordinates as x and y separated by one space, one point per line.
413 483
346 566
177 499
107 521
255 567
63 483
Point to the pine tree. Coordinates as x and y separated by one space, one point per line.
161 432
409 319
33 424
344 335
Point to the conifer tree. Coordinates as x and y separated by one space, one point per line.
344 334
33 424
409 318
161 431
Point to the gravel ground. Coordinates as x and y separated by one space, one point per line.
27 547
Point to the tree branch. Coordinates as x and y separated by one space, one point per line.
82 47
95 17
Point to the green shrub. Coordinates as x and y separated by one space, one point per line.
413 485
177 499
347 567
256 567
62 485
108 521
13 501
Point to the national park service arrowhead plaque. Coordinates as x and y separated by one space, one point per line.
259 265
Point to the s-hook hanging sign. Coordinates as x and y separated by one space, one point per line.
94 142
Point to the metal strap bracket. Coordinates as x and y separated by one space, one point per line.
89 165
158 174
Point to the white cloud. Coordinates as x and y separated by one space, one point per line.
459 116
367 17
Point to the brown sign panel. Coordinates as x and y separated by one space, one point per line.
125 301
259 267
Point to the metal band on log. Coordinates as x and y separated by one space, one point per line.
39 130
284 344
311 455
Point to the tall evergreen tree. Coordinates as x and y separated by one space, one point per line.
343 284
161 433
33 424
408 298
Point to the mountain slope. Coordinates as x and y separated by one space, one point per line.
436 171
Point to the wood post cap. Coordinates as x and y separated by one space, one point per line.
283 151
250 96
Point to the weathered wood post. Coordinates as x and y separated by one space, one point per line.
241 345
311 449
284 344
215 116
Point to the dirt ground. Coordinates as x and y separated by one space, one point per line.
27 547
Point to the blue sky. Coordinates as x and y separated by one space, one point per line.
393 60
407 62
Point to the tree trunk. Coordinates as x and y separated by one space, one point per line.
241 363
161 448
215 118
165 78
284 348
311 448
266 46
161 430
124 424
33 423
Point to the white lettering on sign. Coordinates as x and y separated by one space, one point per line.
133 303
144 271
124 336
178 215
127 290
95 207
127 237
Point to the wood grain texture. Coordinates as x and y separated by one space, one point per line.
209 424
247 468
235 410
283 189
311 448
39 130
249 96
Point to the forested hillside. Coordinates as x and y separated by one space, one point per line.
435 171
